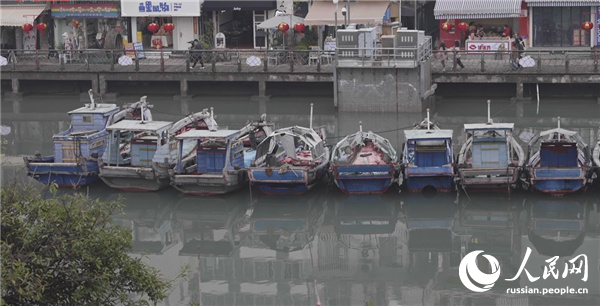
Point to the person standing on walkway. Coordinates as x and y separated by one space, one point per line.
515 55
456 51
196 54
443 55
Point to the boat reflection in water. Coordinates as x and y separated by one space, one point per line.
249 253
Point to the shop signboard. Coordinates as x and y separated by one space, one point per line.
99 10
479 46
171 8
597 26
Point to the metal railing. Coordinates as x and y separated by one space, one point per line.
304 61
517 62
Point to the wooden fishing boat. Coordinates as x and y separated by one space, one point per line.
74 162
364 163
427 158
289 161
127 162
490 158
558 162
219 163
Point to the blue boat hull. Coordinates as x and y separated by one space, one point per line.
364 179
558 181
270 181
46 172
419 178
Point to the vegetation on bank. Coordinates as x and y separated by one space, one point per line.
65 250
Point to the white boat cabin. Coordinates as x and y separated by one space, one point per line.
490 144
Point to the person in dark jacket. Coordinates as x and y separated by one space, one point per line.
196 54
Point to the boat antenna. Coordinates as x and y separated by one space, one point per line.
428 122
93 104
558 128
143 99
489 117
360 126
311 115
212 119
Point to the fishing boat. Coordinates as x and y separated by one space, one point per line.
289 161
490 159
427 158
219 163
596 155
74 162
364 163
558 162
127 162
173 151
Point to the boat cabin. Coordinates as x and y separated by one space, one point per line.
134 142
215 150
490 146
295 145
76 141
428 148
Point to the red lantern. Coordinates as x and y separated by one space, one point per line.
283 27
153 27
462 26
75 24
41 27
299 27
587 26
169 27
446 26
27 27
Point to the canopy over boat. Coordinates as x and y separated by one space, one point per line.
138 125
286 138
488 126
99 108
358 139
424 134
205 134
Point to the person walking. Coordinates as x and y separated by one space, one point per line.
456 51
443 55
196 54
515 55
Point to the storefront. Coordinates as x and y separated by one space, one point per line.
557 23
13 17
237 20
183 14
491 20
89 26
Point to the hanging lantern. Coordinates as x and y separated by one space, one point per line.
153 27
462 27
299 27
587 26
169 27
446 26
41 27
283 27
27 27
75 24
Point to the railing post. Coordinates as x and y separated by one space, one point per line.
187 61
483 61
291 59
266 61
37 61
454 60
137 64
87 59
239 62
112 60
539 62
62 59
213 61
567 62
595 59
318 61
162 61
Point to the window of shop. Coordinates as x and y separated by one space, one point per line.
259 34
560 26
151 40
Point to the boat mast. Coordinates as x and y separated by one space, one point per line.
212 119
143 99
311 116
360 126
428 122
558 138
489 117
93 104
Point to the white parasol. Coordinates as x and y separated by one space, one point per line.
274 21
3 61
125 60
253 61
527 61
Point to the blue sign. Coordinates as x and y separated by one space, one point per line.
597 26
159 7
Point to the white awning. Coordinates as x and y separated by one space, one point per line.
563 2
476 9
273 22
323 13
17 15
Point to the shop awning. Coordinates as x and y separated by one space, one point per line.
323 13
246 5
476 9
563 2
273 22
17 15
